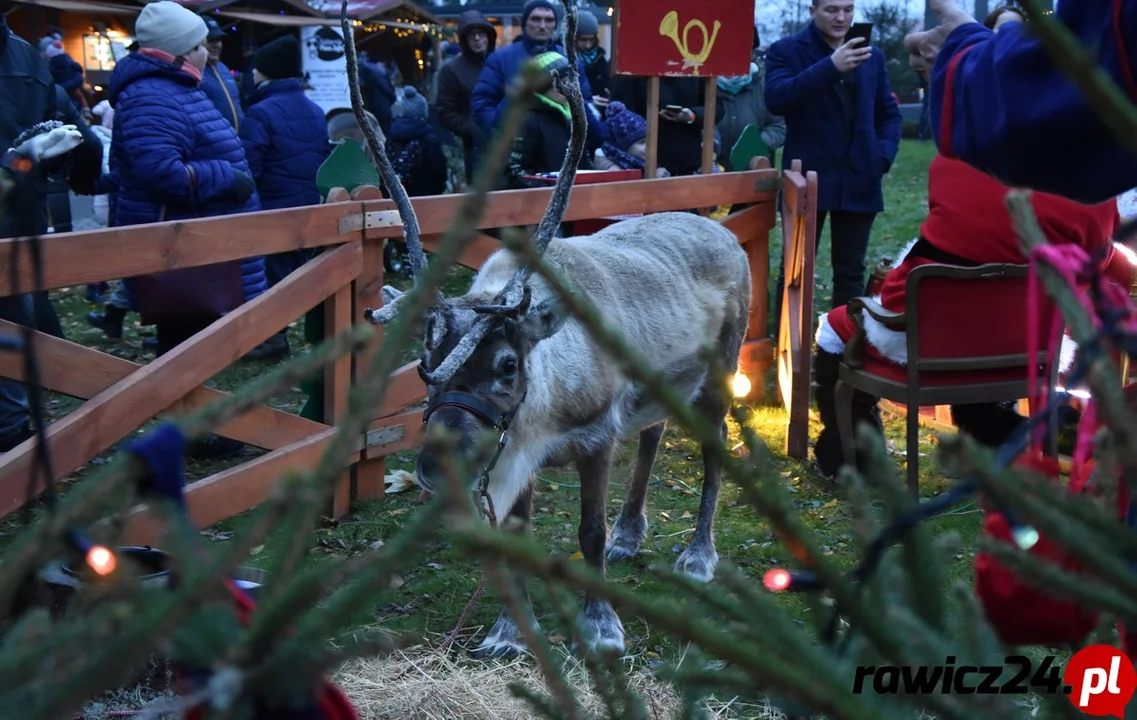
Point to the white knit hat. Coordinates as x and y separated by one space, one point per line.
169 27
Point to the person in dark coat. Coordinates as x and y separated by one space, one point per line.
25 79
1000 104
218 82
842 122
456 81
414 149
680 145
285 138
544 139
377 89
595 60
539 25
743 101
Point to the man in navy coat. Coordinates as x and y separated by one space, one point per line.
841 121
1002 106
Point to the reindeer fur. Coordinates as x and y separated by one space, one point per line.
672 284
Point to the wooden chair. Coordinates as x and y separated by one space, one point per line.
940 371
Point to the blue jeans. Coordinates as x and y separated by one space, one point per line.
14 413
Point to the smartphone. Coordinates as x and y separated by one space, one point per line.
860 30
673 108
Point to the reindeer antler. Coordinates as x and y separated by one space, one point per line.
514 298
387 172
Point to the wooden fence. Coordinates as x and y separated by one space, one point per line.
120 395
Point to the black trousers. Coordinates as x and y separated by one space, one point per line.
849 243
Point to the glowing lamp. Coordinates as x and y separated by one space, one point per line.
740 385
1025 537
777 579
101 560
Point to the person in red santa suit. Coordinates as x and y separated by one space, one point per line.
968 224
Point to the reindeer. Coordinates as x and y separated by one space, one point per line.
507 358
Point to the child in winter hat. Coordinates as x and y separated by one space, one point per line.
414 149
410 105
51 45
626 146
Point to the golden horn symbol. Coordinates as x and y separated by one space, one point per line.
669 27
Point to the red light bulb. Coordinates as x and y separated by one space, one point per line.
777 579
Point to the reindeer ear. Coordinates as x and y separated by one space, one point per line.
542 320
389 294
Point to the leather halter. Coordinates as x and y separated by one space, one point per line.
472 404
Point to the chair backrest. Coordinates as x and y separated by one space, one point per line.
947 334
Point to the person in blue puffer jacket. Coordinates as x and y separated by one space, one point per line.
487 102
285 137
176 157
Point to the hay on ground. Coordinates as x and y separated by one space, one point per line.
422 683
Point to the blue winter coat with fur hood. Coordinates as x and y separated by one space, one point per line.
174 154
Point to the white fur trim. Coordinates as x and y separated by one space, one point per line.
827 338
892 344
904 253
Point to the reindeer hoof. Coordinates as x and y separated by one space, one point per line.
503 640
626 537
603 630
698 563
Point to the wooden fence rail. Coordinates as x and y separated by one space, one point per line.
120 395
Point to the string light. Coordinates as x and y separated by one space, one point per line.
439 32
740 385
101 560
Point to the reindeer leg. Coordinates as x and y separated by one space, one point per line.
631 527
699 560
504 638
599 621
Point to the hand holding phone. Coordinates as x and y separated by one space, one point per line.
855 49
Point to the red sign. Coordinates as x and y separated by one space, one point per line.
683 37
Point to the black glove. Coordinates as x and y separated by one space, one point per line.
243 186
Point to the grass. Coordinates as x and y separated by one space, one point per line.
429 597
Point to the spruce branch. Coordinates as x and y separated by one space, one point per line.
1011 488
1103 375
1045 575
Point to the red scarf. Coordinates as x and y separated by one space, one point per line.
178 62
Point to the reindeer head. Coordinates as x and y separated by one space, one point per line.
475 354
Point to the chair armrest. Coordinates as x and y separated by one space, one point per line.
891 320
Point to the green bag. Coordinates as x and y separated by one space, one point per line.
748 146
